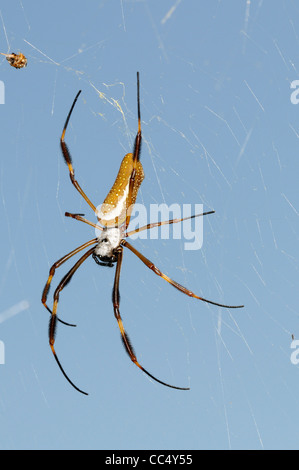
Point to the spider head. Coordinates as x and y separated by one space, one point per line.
108 241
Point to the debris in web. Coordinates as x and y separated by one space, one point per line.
18 61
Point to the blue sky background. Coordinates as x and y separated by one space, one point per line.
219 129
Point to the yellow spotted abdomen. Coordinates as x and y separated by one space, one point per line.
115 207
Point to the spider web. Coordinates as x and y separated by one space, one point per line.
219 129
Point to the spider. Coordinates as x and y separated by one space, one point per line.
18 61
107 249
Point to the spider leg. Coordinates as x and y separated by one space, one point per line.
124 336
52 326
82 219
166 222
52 272
136 154
175 284
68 159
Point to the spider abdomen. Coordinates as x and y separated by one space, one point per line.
114 209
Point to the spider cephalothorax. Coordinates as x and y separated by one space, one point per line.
105 252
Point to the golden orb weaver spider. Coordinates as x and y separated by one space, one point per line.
107 249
